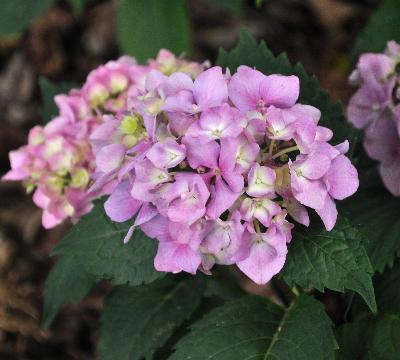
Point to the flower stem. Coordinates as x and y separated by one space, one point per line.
271 149
285 151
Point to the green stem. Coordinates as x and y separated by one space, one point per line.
271 149
285 151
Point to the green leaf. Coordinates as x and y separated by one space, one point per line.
235 6
383 26
136 321
145 27
17 15
373 338
387 287
377 216
49 90
97 242
336 260
249 52
254 328
68 282
78 6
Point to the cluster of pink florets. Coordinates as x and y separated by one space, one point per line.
375 107
57 164
212 165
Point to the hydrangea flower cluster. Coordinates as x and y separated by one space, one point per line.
213 165
58 163
375 107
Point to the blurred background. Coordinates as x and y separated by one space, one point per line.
64 41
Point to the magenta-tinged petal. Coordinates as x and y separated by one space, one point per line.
18 159
342 178
312 166
246 153
165 257
49 220
234 180
217 123
200 154
224 241
297 211
145 214
187 259
110 157
172 257
343 147
166 154
41 199
227 156
375 67
310 193
222 198
261 181
323 134
177 82
261 209
367 104
210 88
280 91
391 177
266 259
179 102
328 213
381 141
305 134
179 123
120 206
183 211
281 227
190 205
154 79
157 228
244 88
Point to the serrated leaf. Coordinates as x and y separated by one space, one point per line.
249 52
254 328
382 27
377 216
67 283
17 15
373 338
98 244
136 321
49 90
145 27
335 260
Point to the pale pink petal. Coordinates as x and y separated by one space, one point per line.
120 206
222 198
110 157
244 88
266 259
200 154
280 91
210 88
328 213
342 178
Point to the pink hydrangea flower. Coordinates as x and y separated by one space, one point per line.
87 149
215 167
226 162
374 107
